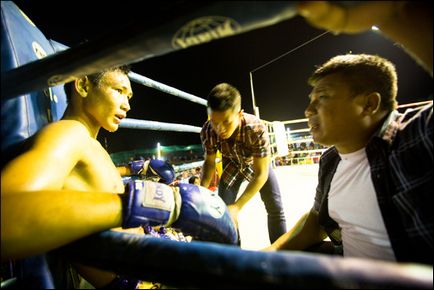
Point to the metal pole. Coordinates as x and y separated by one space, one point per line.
158 151
255 108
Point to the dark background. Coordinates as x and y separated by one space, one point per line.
280 88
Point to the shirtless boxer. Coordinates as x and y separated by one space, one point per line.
65 186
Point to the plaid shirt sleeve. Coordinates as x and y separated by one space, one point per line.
257 138
208 139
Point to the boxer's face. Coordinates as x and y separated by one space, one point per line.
108 101
225 123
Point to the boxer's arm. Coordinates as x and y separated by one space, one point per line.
39 221
133 168
124 170
208 169
406 22
35 208
412 27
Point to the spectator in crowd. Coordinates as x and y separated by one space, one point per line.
194 180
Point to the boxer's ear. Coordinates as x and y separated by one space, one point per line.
82 86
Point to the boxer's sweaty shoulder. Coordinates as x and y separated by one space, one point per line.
94 170
62 156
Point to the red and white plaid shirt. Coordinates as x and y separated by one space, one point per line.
249 140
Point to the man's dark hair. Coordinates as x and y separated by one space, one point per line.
96 78
224 97
365 74
192 179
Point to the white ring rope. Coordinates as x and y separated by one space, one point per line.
414 104
135 77
158 126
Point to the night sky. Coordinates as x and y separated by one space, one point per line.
280 88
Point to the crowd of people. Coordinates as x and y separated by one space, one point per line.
373 199
191 176
174 157
301 152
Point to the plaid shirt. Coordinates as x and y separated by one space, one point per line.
250 140
401 160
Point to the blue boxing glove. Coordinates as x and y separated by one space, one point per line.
194 210
163 170
149 203
123 283
205 216
154 170
137 167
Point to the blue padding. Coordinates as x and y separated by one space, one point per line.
34 273
59 107
57 46
23 116
218 266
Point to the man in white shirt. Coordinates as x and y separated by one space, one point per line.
375 181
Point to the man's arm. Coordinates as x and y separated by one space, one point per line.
304 234
208 169
406 22
260 168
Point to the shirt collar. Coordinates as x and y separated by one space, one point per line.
390 127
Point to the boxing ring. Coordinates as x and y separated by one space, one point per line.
197 264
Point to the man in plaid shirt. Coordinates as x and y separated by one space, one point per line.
243 141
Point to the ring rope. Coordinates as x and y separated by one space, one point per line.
135 77
158 126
